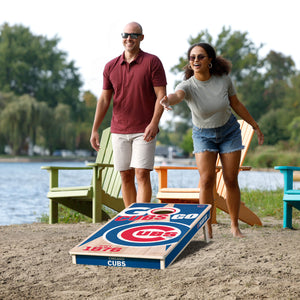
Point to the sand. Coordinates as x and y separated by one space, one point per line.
35 264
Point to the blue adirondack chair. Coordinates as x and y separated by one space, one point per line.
291 196
89 200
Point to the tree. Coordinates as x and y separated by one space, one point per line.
241 51
294 128
187 142
19 121
274 126
278 66
279 69
83 129
34 65
63 129
291 100
250 92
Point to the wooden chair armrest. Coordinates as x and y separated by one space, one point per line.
54 171
159 168
175 168
163 173
287 168
50 168
245 168
288 178
100 165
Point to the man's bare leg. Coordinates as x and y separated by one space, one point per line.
144 191
128 187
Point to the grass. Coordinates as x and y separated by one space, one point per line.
263 203
67 215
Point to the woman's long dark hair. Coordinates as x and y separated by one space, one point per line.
220 65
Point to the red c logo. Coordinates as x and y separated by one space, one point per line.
149 233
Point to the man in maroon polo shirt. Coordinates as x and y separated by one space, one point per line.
136 80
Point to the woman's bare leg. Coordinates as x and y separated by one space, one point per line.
206 163
230 164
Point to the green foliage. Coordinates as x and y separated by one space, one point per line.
250 91
40 95
270 156
63 129
187 142
274 125
294 129
291 101
163 137
278 66
19 121
236 47
66 215
34 65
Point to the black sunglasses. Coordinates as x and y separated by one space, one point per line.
199 57
132 35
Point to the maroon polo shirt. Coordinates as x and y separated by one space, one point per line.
134 96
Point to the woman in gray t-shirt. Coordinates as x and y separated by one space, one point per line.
210 95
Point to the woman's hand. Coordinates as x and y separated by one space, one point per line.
165 103
260 136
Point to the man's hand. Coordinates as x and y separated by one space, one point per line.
150 133
94 140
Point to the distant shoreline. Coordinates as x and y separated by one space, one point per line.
175 161
19 159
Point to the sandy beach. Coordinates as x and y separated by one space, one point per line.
35 264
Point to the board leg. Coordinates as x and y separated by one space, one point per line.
205 232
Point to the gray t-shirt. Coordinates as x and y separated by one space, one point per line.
208 100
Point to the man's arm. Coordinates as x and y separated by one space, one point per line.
101 110
152 129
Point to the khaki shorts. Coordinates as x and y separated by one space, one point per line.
132 151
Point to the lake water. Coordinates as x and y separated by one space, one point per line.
24 186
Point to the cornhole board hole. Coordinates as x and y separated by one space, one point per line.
144 235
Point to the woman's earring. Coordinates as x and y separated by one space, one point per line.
189 67
209 65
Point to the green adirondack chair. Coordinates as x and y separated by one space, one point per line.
88 200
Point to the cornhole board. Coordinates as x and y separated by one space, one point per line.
144 235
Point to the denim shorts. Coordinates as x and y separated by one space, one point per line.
224 139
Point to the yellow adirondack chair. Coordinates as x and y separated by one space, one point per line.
191 195
88 200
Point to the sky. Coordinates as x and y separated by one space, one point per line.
90 30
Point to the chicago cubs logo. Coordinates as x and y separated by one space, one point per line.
150 234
